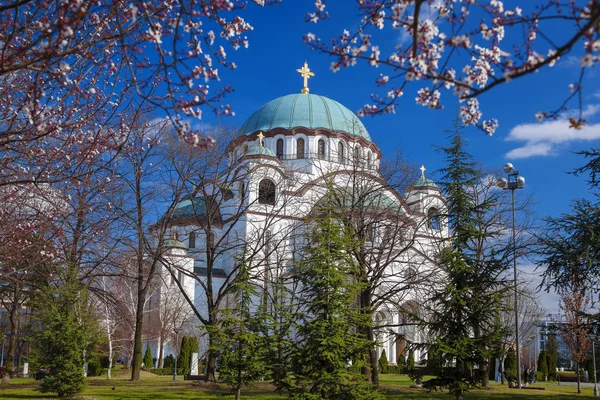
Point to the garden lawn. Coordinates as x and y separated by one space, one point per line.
163 387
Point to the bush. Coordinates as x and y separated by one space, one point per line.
543 363
539 376
395 369
354 369
148 364
411 361
169 362
383 363
401 362
166 371
104 362
510 363
94 367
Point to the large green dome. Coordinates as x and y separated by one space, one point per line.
307 110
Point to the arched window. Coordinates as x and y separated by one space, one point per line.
192 240
280 148
369 160
340 152
266 192
433 219
300 148
321 149
242 190
356 155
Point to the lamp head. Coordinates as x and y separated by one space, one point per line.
501 183
508 168
520 181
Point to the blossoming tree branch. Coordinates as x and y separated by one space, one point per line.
464 47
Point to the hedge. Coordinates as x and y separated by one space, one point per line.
166 371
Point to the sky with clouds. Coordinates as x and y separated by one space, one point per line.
542 152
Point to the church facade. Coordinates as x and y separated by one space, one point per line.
289 154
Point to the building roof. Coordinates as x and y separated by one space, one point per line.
174 243
424 182
305 110
260 150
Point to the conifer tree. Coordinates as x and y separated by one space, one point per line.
148 363
383 363
242 349
328 332
183 361
543 363
462 315
67 332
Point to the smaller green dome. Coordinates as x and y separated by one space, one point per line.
260 151
174 243
424 182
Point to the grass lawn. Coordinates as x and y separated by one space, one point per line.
163 387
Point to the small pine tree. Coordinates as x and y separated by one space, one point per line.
383 363
551 366
401 362
67 333
183 361
543 363
411 360
510 363
169 362
148 363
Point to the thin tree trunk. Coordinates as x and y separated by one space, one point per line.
238 393
160 351
14 332
136 363
501 368
210 361
578 380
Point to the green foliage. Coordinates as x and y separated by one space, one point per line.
94 367
169 362
462 314
383 363
67 331
148 363
328 330
401 363
543 363
589 367
411 360
510 363
183 360
552 355
539 376
241 347
166 371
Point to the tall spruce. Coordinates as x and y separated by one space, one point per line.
463 312
242 348
329 334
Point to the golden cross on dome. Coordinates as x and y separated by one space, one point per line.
305 73
260 139
422 171
175 234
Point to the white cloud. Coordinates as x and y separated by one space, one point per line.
542 139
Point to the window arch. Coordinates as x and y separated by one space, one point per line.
433 219
279 149
340 151
300 148
356 154
192 240
321 149
369 160
266 192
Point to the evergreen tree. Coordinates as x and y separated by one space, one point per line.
183 361
543 363
66 335
411 360
169 362
328 332
401 362
462 313
148 363
552 355
510 364
383 363
242 349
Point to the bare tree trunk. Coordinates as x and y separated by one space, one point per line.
238 393
161 345
501 368
210 361
136 363
14 332
578 379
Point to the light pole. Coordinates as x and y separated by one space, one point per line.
176 355
594 358
514 182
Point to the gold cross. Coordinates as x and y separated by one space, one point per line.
422 171
305 73
260 139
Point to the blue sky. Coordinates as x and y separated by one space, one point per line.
266 70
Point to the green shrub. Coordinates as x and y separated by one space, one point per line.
169 362
166 371
395 369
411 360
354 369
543 363
383 363
148 364
510 364
539 376
94 367
104 362
401 362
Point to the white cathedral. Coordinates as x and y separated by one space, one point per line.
288 154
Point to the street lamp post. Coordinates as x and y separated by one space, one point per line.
594 358
176 355
514 182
